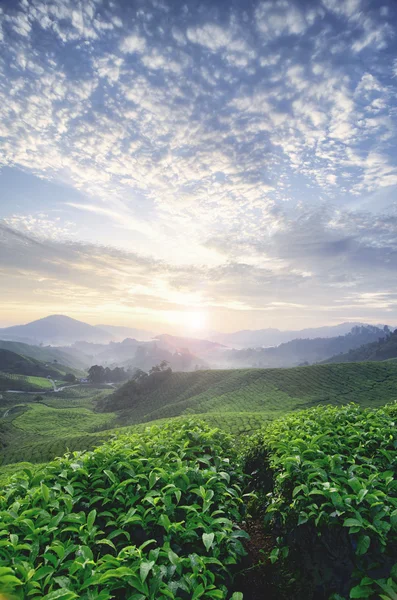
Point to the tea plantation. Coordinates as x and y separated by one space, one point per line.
271 392
185 466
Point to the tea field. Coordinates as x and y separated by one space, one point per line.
271 392
24 383
239 402
164 513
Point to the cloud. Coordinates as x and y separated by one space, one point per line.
282 17
133 43
210 35
211 128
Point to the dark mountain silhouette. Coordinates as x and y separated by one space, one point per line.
385 348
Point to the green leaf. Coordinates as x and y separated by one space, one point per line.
237 596
6 579
42 572
62 593
173 558
363 544
91 519
361 591
352 523
45 492
208 539
198 592
110 475
145 569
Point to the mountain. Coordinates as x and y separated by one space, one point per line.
55 329
383 349
120 333
273 337
194 345
302 351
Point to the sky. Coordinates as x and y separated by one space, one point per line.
198 165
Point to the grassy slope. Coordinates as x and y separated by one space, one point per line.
38 431
239 401
22 382
271 392
46 354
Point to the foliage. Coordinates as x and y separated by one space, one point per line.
327 478
151 516
99 374
45 444
163 366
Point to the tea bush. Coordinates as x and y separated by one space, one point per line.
151 516
327 483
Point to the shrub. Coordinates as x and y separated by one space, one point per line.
327 480
149 516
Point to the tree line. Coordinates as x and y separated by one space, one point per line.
99 374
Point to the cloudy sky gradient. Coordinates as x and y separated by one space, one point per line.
220 164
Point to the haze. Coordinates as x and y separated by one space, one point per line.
183 166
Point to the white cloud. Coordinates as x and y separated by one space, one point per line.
187 146
210 35
282 17
133 43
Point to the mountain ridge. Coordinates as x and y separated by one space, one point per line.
54 329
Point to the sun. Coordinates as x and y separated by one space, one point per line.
188 322
195 320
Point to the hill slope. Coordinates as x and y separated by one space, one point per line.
47 354
382 349
270 392
13 363
238 401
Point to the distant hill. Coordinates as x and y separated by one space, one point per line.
17 364
47 354
265 392
194 345
383 349
55 329
120 333
274 337
302 351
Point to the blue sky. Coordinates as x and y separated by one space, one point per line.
193 165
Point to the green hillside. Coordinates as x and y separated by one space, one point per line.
270 392
13 363
10 381
383 349
238 401
47 354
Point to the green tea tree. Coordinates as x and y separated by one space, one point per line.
327 483
149 516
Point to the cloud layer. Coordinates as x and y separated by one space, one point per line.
245 153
